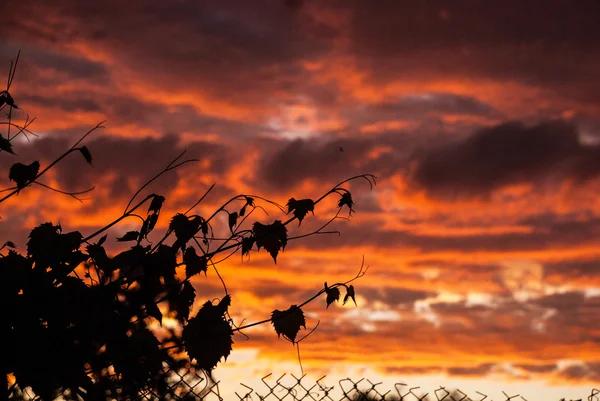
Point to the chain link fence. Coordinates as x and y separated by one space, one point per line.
188 384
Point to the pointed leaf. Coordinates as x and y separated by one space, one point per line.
333 294
232 220
103 239
5 145
208 337
346 200
23 174
181 301
247 243
272 237
194 264
288 322
86 154
301 208
349 294
129 236
156 204
8 99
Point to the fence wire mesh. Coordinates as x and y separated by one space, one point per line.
188 384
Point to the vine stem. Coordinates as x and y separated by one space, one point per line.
362 271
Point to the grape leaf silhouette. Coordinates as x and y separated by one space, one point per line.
148 226
86 154
8 99
185 229
272 237
23 174
129 236
249 202
208 336
333 294
232 220
301 208
5 145
346 200
9 244
194 264
288 322
349 294
247 243
181 301
156 204
47 245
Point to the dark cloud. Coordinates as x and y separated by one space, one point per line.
233 49
395 296
479 370
531 368
588 269
416 105
506 154
537 43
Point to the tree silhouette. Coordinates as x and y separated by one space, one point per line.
79 318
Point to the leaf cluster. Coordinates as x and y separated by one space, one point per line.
83 310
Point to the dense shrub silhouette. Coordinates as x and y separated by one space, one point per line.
78 317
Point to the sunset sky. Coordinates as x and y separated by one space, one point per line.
481 123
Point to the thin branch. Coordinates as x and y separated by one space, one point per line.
169 167
128 214
200 200
72 194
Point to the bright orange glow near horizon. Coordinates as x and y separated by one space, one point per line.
481 122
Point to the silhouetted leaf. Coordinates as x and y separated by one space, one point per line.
184 229
181 301
129 236
23 174
5 145
232 220
148 226
163 262
272 237
194 264
8 99
247 243
333 294
86 154
301 208
9 244
288 322
224 304
156 204
346 200
103 239
208 337
349 294
249 202
100 258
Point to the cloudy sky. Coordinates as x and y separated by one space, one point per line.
481 122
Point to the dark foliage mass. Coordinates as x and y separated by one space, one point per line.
80 318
